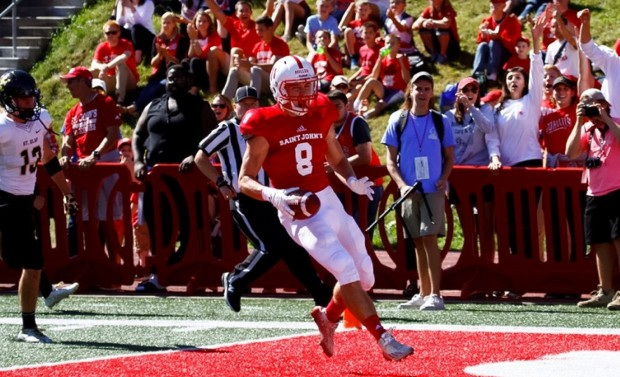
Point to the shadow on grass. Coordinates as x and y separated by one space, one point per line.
128 347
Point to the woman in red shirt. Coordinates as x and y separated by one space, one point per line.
204 40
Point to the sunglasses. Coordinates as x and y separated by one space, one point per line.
218 105
470 90
111 32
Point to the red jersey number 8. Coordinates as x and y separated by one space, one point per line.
303 157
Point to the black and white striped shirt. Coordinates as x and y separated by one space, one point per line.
229 144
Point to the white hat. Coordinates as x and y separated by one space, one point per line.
98 83
339 80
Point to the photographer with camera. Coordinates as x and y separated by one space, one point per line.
598 134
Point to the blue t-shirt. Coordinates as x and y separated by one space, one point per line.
419 139
314 24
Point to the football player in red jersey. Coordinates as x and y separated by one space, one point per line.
291 140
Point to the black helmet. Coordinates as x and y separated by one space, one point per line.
15 84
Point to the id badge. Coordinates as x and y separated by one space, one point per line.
421 168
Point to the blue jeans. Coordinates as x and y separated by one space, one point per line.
490 56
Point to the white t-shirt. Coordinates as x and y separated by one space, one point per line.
567 62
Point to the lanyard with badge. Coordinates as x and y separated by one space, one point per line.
421 162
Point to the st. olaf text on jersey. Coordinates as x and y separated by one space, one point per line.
30 142
301 137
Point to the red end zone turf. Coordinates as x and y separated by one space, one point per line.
437 353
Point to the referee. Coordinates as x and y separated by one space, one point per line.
258 220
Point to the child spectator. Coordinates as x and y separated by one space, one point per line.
388 80
326 60
254 68
321 21
521 57
136 18
353 37
114 62
497 37
341 83
437 28
242 31
294 12
369 54
399 22
204 41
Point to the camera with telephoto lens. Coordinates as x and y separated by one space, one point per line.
593 162
591 111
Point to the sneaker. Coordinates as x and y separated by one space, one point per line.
615 303
32 336
233 299
433 302
59 293
326 328
599 298
392 349
415 303
150 285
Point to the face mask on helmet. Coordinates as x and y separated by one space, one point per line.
19 84
294 84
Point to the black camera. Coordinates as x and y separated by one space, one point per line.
591 111
593 162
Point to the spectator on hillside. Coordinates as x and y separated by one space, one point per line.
399 22
340 8
551 74
320 21
604 58
353 31
326 60
91 131
136 18
222 108
497 37
388 80
254 68
599 138
531 6
563 52
114 62
294 12
438 31
520 57
167 132
189 8
204 41
240 29
562 8
369 54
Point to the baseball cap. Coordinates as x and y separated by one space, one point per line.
468 81
568 80
78 72
99 83
339 80
422 75
122 142
245 92
593 94
523 39
492 95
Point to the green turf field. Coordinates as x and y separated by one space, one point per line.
86 326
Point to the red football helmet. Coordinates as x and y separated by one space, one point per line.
294 84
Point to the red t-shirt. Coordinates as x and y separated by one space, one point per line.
555 127
212 40
323 69
297 145
240 36
449 12
391 73
368 58
516 61
171 47
509 31
264 51
89 123
106 53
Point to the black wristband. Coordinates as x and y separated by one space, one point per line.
221 181
96 154
52 166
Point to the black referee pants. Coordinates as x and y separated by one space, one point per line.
259 222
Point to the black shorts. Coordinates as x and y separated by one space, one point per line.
602 218
19 248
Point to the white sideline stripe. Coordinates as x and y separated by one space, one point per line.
68 323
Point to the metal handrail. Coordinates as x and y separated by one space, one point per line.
13 9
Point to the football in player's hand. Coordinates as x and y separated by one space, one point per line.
305 204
